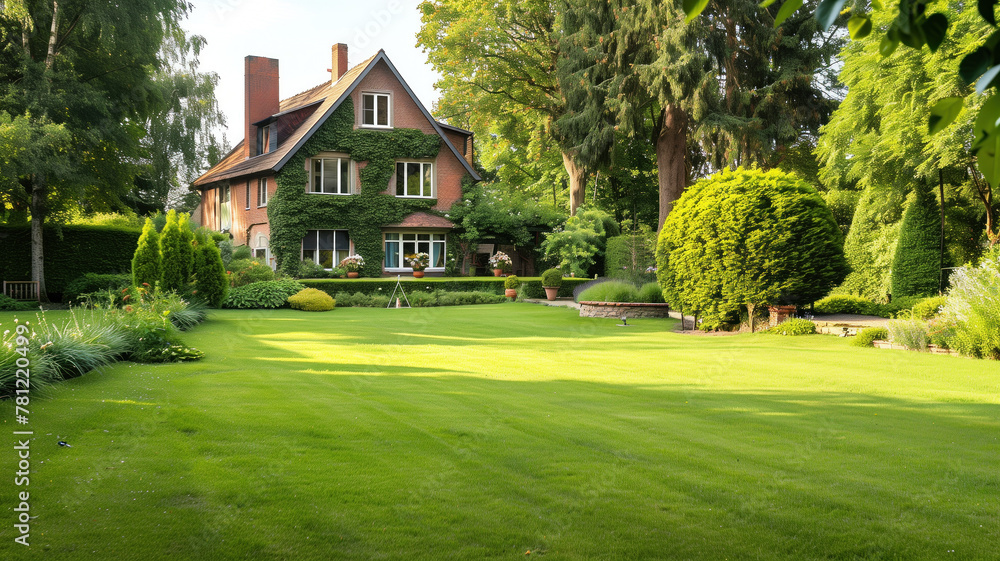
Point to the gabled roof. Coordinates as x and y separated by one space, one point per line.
330 96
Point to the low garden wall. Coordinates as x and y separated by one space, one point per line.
627 309
531 286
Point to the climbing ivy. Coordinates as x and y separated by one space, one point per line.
292 211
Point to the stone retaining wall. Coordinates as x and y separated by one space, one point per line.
618 309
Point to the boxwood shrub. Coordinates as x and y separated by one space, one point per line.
266 294
311 300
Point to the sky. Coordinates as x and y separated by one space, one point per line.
300 33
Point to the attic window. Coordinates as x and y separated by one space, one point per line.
375 109
267 139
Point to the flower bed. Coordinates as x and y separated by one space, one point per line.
630 310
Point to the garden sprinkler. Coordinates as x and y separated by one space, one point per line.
624 322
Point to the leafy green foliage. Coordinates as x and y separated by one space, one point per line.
226 251
794 326
973 307
511 282
488 212
311 300
264 294
530 287
915 268
581 241
868 335
630 255
8 304
871 243
929 308
254 271
610 291
748 238
241 252
292 211
552 278
93 282
210 279
362 300
146 263
849 304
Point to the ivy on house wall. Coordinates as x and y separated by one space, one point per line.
292 211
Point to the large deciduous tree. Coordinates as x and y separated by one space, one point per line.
498 61
86 67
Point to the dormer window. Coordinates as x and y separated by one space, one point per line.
375 109
267 139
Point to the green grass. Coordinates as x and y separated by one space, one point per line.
489 431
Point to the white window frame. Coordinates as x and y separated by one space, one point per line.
388 113
341 161
433 186
262 245
261 192
226 192
401 265
334 261
248 195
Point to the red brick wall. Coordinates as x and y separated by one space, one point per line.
256 217
260 99
406 114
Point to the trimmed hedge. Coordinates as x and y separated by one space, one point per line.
78 251
531 287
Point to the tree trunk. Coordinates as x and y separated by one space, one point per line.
50 56
750 310
671 147
37 224
577 182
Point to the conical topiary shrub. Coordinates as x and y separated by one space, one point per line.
146 261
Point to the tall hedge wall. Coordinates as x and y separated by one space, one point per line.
619 255
70 253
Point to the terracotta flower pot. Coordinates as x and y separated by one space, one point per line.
551 292
497 272
418 274
353 275
510 293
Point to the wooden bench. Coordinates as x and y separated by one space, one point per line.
22 290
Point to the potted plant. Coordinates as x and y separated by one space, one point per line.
500 263
511 284
353 265
551 281
419 262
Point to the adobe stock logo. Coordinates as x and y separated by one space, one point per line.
377 22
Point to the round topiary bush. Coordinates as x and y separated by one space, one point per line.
552 278
512 282
312 300
748 238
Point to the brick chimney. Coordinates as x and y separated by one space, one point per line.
261 97
339 66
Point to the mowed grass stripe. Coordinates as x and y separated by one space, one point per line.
489 431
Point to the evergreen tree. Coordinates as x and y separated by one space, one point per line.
187 246
146 261
211 283
916 264
172 275
871 243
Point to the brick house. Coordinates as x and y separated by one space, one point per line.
354 165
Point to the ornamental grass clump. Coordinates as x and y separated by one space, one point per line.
610 291
311 300
13 357
910 333
651 293
973 308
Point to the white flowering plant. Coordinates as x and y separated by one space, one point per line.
353 263
501 261
419 261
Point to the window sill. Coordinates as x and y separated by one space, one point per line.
260 206
376 127
409 270
415 197
335 194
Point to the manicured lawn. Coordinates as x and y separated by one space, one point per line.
492 431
